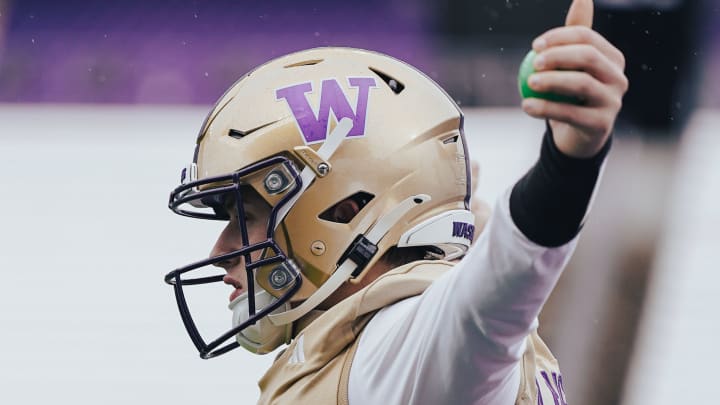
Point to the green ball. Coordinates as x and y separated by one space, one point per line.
526 69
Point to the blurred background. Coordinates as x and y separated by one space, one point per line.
100 102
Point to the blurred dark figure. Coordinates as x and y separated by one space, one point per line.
664 42
479 45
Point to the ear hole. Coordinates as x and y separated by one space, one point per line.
346 209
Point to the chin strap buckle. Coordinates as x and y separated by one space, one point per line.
360 251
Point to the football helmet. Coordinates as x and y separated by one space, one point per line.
306 131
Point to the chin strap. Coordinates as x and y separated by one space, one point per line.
348 266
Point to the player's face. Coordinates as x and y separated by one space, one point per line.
257 212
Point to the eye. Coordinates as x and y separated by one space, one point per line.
230 208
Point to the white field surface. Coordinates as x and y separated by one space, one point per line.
86 238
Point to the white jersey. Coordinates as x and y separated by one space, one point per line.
460 342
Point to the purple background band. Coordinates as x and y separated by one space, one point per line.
181 51
190 51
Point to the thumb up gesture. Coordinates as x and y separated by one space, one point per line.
576 61
580 13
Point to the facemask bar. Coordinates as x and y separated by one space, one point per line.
190 193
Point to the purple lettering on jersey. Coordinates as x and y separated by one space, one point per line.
559 385
539 395
554 387
463 230
314 128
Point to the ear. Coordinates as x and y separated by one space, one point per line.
345 211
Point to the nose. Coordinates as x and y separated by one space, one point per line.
227 242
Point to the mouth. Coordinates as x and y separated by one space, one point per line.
233 282
236 297
236 293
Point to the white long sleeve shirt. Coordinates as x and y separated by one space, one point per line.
460 342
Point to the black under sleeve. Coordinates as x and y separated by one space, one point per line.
550 201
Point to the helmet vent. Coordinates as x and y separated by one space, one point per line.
239 134
393 83
452 139
304 63
346 209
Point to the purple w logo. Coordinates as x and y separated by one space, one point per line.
314 127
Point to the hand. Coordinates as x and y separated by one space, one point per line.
574 60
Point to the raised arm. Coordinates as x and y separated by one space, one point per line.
461 341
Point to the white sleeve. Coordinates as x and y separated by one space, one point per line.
461 340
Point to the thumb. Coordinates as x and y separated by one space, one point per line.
580 13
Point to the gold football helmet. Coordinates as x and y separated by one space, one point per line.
305 132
